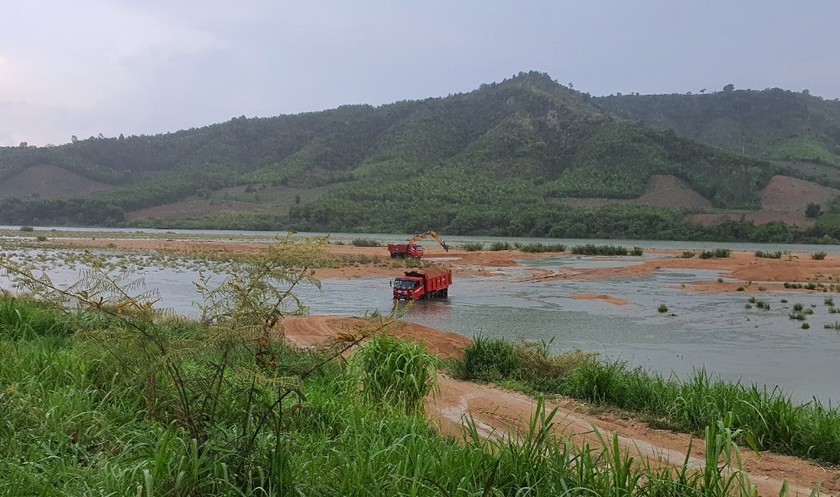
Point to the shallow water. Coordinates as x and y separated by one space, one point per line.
708 331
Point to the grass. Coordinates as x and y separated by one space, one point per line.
769 420
77 422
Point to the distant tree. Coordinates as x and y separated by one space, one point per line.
703 90
74 138
813 210
297 199
728 88
121 137
23 145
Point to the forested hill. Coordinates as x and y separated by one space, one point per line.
508 158
772 124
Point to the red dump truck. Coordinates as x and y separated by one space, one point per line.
423 284
404 250
412 249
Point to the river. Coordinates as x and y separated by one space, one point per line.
712 331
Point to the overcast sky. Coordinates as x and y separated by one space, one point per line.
153 66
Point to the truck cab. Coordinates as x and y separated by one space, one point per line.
408 288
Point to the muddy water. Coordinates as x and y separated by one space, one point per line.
715 332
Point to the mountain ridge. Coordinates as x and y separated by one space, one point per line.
526 142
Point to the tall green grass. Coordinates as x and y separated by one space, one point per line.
769 420
77 422
395 373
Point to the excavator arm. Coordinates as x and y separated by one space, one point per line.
429 234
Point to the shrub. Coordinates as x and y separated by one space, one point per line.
591 249
499 246
769 255
27 228
687 254
542 247
662 308
365 242
472 246
818 256
715 254
488 359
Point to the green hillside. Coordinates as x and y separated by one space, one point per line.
497 160
770 124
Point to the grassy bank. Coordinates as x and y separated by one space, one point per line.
100 394
766 420
82 418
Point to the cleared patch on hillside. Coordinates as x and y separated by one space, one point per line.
240 198
45 181
784 200
663 190
193 208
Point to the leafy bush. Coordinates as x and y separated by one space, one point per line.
687 254
769 255
472 246
365 242
529 363
818 256
662 308
715 254
609 250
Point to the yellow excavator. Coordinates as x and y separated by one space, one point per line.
429 234
412 248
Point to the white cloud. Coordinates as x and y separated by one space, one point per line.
153 66
78 55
